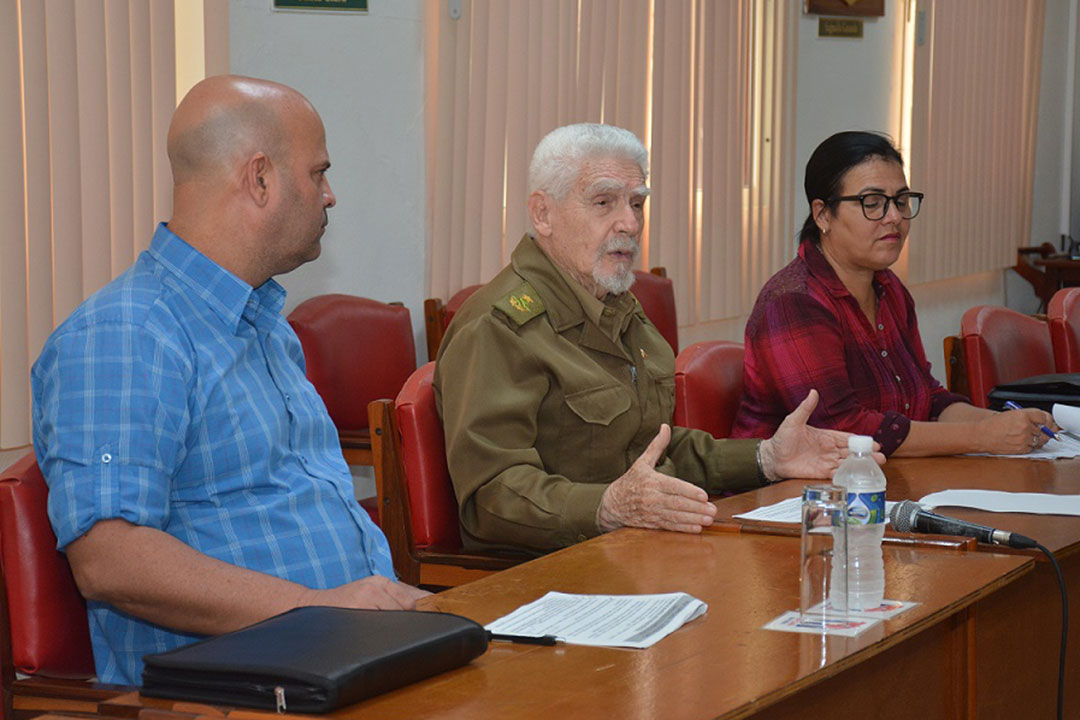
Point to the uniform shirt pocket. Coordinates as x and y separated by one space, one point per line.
599 405
593 440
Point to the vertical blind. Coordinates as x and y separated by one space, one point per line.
708 85
974 106
89 89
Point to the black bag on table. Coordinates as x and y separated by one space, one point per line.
1039 391
315 659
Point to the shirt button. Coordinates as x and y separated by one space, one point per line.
884 353
106 458
287 397
880 326
907 406
897 378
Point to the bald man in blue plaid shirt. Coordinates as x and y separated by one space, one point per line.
195 479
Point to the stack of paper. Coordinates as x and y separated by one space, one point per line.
636 621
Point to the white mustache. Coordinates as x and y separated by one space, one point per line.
619 243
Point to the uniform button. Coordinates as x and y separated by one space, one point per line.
106 458
884 353
608 311
581 538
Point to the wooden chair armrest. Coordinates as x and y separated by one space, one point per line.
956 379
390 487
477 562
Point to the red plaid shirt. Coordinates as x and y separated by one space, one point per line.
807 331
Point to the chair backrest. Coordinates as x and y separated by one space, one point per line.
456 301
357 350
656 293
432 505
1063 316
1002 346
49 634
437 317
708 386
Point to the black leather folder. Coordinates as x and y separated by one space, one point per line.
1040 391
315 659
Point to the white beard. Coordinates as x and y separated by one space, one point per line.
621 280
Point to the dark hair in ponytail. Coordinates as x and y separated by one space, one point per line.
829 164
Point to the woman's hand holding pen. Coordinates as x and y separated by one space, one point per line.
1016 431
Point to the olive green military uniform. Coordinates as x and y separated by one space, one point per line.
547 395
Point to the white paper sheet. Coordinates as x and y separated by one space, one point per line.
635 621
1052 450
850 624
1067 417
845 626
1000 501
788 511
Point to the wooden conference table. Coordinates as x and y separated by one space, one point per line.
1018 632
927 662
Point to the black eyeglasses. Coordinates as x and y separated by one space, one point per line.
876 205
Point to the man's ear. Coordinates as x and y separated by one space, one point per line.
820 211
540 205
256 178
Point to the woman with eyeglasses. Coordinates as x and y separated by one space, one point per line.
838 320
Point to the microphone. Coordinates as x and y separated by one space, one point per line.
910 516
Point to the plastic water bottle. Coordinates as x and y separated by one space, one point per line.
865 485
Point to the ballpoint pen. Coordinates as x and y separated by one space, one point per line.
524 639
1049 433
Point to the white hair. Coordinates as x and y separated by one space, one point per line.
559 157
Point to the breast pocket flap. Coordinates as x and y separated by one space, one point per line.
599 405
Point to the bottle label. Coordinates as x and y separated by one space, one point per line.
866 508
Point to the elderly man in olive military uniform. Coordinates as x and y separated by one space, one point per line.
556 392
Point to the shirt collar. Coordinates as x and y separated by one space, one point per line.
566 300
229 297
820 268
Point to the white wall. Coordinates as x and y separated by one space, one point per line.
844 84
1051 138
364 74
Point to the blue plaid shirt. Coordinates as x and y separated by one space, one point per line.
175 398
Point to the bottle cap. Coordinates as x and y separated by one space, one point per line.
860 444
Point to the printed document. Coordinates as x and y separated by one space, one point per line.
633 621
788 511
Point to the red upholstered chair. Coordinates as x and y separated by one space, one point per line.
437 317
419 509
1002 346
43 628
708 386
656 293
1063 316
356 350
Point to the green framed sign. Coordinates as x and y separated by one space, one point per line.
332 5
840 27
